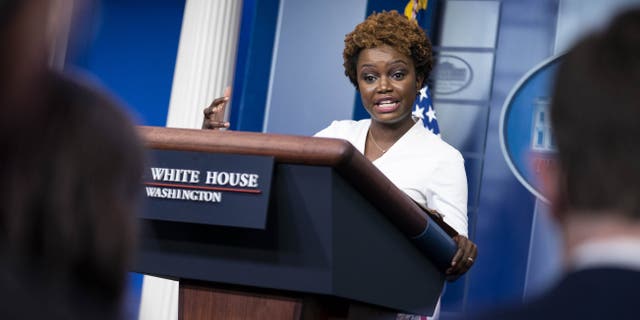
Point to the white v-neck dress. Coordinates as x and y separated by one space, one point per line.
426 168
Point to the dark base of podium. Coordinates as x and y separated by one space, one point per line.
202 301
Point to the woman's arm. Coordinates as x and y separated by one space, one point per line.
450 199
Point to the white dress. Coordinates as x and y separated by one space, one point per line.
426 168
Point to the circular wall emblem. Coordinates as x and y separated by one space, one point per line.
525 132
451 74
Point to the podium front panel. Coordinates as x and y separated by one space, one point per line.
322 237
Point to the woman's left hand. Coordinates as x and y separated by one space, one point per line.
464 258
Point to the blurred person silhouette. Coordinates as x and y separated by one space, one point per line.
594 187
70 166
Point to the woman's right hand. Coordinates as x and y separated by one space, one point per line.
214 113
464 258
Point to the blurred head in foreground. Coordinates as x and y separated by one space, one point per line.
595 114
70 166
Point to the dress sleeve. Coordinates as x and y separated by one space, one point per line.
449 193
328 132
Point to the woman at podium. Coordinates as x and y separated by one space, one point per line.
388 59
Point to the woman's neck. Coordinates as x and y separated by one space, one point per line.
382 136
387 134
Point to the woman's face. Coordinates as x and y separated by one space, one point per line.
387 83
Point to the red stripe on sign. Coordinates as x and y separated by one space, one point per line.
186 186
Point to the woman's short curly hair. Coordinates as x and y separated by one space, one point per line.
392 29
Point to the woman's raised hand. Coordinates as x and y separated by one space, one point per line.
214 113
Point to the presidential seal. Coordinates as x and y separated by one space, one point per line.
451 74
525 132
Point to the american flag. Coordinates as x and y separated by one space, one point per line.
416 10
423 109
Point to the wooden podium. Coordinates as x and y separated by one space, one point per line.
337 243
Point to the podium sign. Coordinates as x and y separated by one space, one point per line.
205 188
